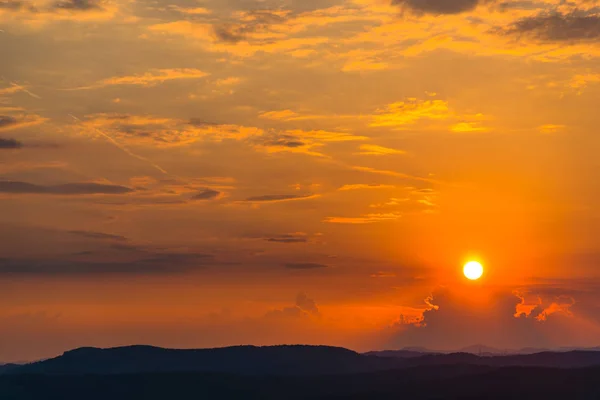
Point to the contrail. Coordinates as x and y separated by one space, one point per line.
123 148
24 89
20 87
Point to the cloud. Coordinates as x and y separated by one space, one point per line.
37 13
206 194
437 6
284 141
304 307
556 27
303 266
464 127
12 5
456 319
84 188
581 81
410 111
301 141
10 122
98 235
374 150
364 219
166 263
163 132
10 144
288 238
78 5
250 22
191 11
361 186
392 173
6 121
551 128
273 198
151 78
307 304
247 33
383 275
288 115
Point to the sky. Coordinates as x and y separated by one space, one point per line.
218 172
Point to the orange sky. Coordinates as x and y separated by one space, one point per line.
206 173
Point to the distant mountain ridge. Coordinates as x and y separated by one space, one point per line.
252 360
279 360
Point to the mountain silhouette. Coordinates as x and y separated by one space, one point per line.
279 360
298 360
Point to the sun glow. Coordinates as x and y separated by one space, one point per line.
473 270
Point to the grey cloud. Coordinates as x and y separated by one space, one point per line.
98 235
83 188
304 307
11 5
438 6
293 238
207 194
277 197
6 120
78 5
287 312
255 21
555 27
159 263
230 34
459 320
305 266
10 144
284 142
307 304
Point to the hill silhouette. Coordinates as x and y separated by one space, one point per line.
279 360
282 360
300 372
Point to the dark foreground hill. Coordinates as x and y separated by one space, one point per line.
299 372
434 382
247 360
278 360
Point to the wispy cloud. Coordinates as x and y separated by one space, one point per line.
364 219
150 78
375 150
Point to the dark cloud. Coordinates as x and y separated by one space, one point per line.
520 5
66 189
11 5
6 121
290 238
199 122
78 5
285 141
305 266
158 263
254 21
505 320
555 27
277 197
307 304
437 6
304 307
206 194
98 235
229 33
10 144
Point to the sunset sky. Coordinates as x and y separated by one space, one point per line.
207 173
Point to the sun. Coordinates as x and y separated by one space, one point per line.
473 270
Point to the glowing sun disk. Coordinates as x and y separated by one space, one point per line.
473 270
